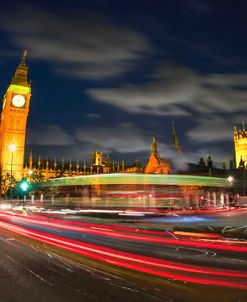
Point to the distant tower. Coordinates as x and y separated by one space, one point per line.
175 141
154 145
39 163
55 164
14 115
84 167
77 167
97 158
240 143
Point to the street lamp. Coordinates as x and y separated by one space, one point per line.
230 179
12 149
30 173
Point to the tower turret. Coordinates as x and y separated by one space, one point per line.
77 166
154 145
39 163
55 164
47 164
84 167
70 166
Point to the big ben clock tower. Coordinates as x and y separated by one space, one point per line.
15 108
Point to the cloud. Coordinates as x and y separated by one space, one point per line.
177 90
214 129
211 130
201 7
79 45
92 115
123 141
234 80
124 138
69 152
49 135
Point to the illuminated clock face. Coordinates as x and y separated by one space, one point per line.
18 100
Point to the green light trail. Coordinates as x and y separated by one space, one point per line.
137 179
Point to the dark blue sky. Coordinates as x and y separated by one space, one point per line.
114 73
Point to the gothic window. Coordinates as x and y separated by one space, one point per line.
18 125
11 125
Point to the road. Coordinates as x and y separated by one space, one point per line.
46 258
30 272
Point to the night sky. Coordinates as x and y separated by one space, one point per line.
110 74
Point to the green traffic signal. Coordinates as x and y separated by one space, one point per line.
24 186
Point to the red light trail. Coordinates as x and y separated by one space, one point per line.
154 266
101 230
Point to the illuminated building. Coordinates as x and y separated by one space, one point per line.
240 143
14 115
43 170
155 164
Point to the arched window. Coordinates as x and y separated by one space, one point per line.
17 125
11 125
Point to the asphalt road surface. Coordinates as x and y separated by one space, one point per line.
33 273
35 270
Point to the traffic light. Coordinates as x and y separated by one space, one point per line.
22 188
24 185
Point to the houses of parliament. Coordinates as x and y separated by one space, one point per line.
14 115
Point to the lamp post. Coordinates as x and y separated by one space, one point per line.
30 173
230 179
12 149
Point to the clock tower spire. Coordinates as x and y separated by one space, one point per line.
20 76
15 109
